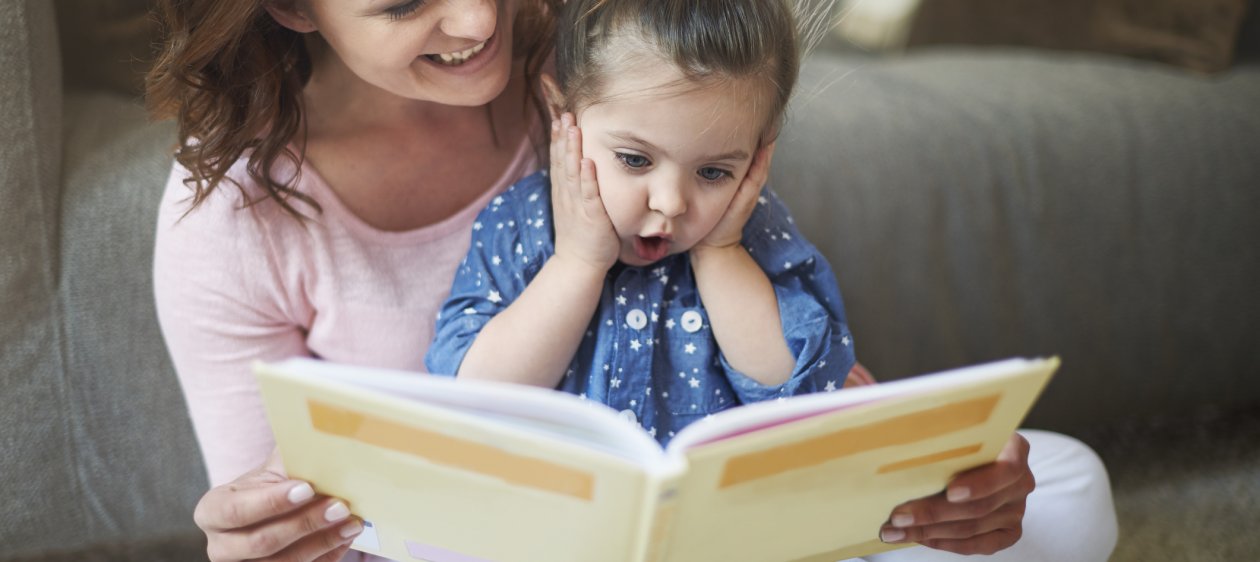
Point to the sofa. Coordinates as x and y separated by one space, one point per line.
976 202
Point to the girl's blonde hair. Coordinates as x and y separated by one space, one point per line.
232 79
708 40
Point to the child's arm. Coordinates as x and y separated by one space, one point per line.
534 339
742 306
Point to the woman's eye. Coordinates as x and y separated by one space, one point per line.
634 161
403 10
713 174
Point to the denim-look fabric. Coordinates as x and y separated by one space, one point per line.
649 351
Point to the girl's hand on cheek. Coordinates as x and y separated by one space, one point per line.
584 233
730 229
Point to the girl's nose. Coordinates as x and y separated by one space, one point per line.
666 197
470 19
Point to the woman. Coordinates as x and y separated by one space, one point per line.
332 157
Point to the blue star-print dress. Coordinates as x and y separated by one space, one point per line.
649 351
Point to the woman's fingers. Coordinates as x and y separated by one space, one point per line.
984 535
248 500
304 534
980 512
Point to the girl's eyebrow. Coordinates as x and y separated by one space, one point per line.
630 138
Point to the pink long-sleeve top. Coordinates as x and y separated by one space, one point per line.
237 283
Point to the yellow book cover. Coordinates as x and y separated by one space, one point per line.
458 471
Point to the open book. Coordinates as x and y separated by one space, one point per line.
459 471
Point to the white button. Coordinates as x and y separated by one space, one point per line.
636 319
691 321
629 415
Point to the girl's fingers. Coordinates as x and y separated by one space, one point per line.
759 171
573 154
590 187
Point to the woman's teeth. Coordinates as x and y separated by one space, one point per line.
459 57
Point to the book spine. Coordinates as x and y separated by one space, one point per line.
657 517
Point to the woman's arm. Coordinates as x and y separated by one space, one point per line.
212 276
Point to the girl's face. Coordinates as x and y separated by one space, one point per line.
454 52
669 155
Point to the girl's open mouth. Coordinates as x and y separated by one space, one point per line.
651 248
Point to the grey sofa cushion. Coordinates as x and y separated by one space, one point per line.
32 433
95 437
1098 208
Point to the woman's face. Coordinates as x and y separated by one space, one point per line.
454 52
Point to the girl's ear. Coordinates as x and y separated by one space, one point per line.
290 15
551 92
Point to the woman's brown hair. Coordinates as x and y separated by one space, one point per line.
232 79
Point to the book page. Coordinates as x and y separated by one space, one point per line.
439 481
527 408
754 417
818 487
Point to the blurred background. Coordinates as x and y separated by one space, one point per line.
988 178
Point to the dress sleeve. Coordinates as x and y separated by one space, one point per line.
216 291
510 241
810 306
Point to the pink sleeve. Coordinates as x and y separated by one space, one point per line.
221 305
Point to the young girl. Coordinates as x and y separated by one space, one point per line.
673 287
650 271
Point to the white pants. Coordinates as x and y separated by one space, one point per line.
1069 517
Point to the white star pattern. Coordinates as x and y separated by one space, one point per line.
846 341
615 382
669 324
694 382
635 345
621 299
496 260
495 297
470 310
831 386
477 225
690 348
498 200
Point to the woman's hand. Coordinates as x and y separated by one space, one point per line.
263 515
981 511
583 229
730 229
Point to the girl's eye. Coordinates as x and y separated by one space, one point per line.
713 174
633 161
403 10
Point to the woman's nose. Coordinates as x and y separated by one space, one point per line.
470 19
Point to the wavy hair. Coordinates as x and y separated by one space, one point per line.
232 79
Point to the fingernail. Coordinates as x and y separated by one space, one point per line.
351 529
336 512
892 535
958 494
902 520
301 493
